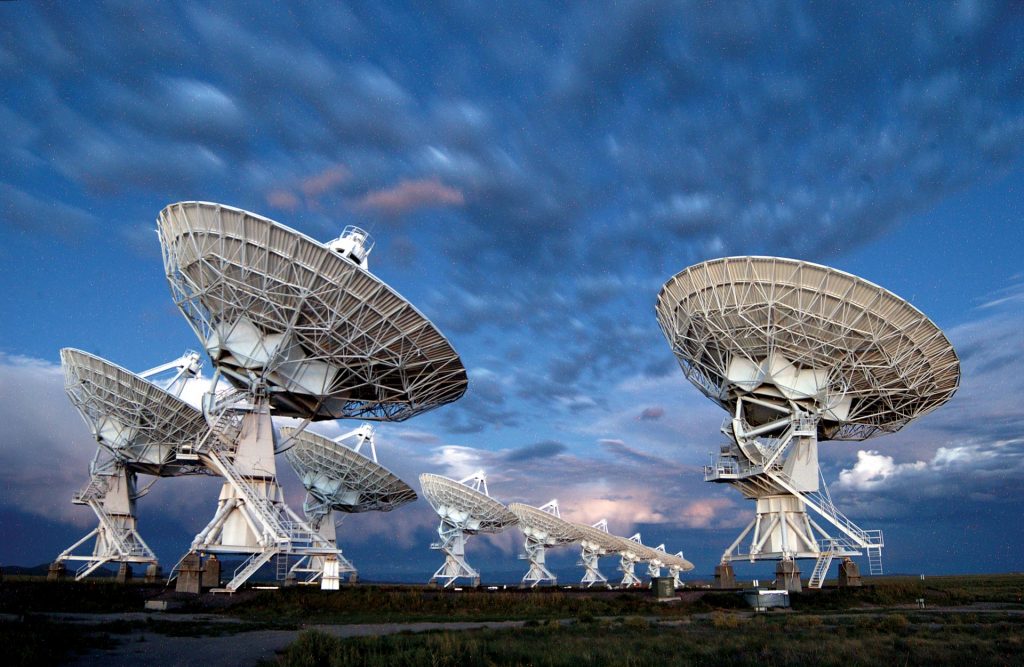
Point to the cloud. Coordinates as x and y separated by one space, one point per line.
283 199
412 194
26 211
46 448
326 180
652 414
539 450
873 470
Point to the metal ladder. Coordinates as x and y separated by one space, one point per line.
821 568
875 560
249 567
281 569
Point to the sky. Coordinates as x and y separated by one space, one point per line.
532 174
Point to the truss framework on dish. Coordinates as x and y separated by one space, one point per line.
139 426
466 508
340 479
300 329
799 353
325 337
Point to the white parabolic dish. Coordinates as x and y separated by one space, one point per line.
607 542
788 330
275 307
344 479
544 527
465 507
142 425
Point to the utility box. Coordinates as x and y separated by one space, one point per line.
663 587
764 598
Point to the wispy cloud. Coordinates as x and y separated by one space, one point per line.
408 195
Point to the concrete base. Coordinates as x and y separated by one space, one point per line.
189 575
57 572
787 576
154 574
211 573
290 580
124 573
724 576
849 574
353 578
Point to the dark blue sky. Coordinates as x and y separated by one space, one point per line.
532 173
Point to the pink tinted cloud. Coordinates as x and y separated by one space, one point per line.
652 414
702 513
408 195
326 180
283 200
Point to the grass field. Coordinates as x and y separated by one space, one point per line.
721 639
967 619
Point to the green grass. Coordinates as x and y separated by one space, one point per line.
722 639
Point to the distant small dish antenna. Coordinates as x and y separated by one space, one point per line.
798 353
595 541
466 508
631 551
341 476
543 528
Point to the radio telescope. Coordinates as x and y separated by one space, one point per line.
341 479
676 565
465 508
543 527
658 558
595 541
631 551
799 353
139 427
300 329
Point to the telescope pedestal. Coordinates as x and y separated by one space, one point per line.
725 577
538 572
627 565
252 517
110 494
590 559
453 544
849 574
787 576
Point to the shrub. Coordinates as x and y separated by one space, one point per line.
312 649
722 620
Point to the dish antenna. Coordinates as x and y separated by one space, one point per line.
631 551
799 353
340 479
139 426
676 565
543 527
658 558
299 329
466 508
595 541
